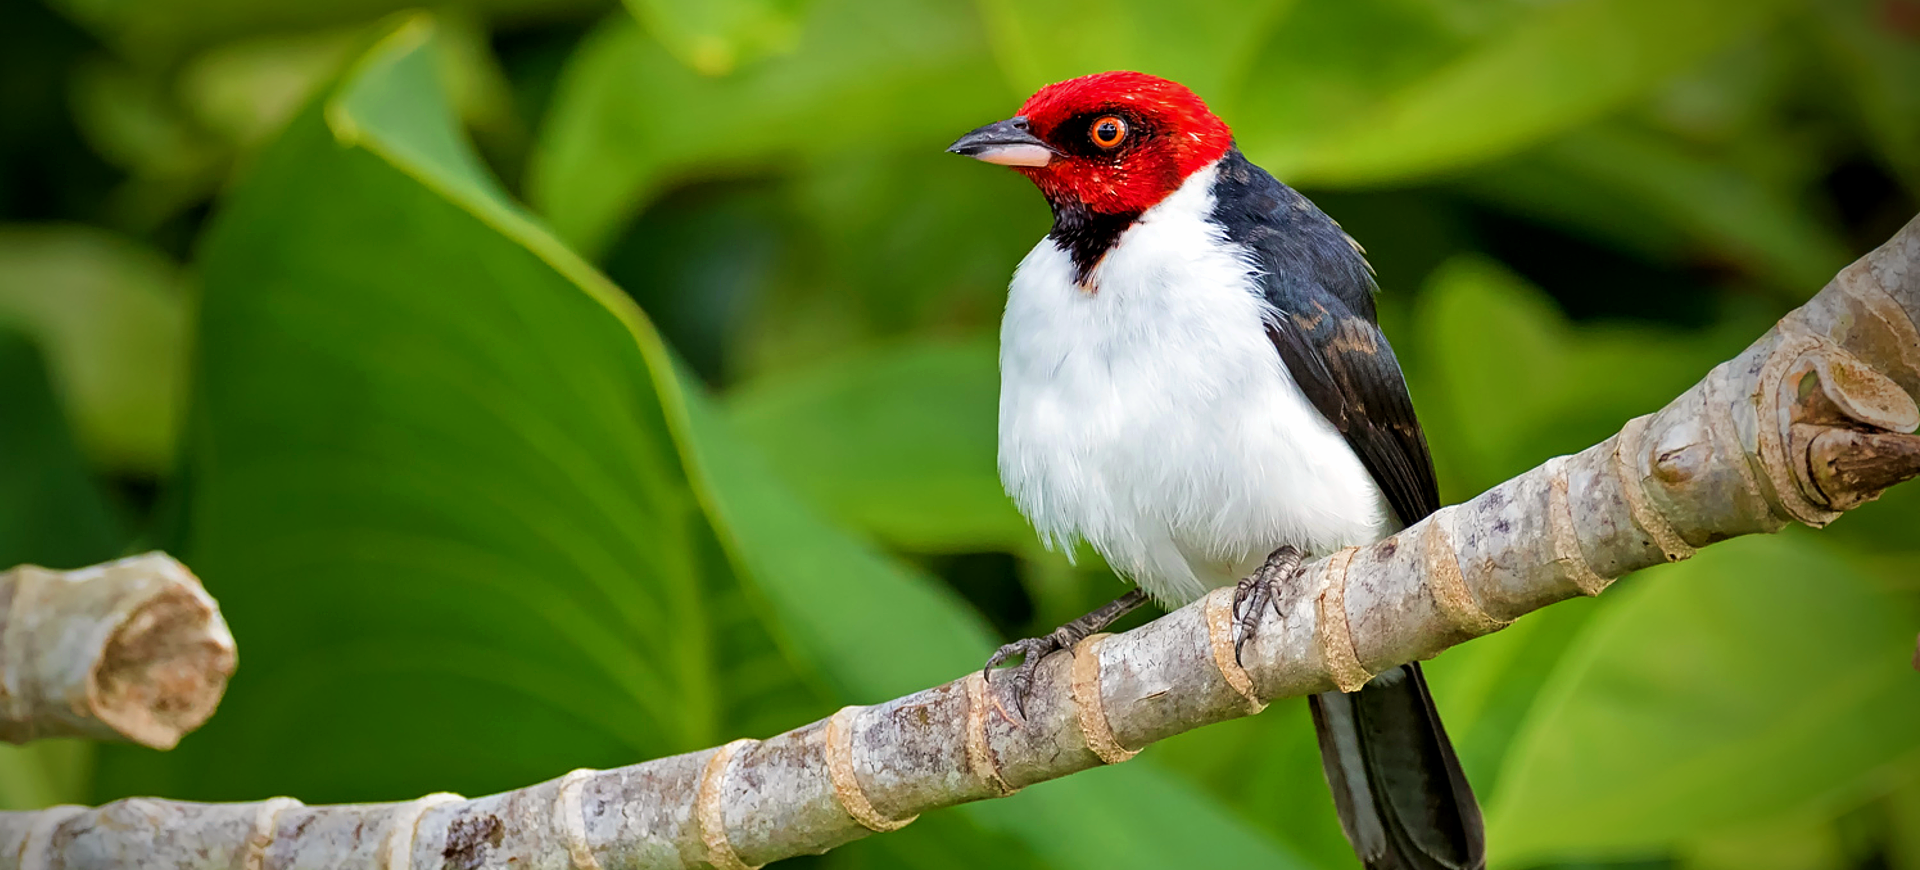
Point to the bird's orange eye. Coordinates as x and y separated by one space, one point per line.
1108 131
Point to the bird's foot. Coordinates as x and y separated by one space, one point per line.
1266 587
1011 692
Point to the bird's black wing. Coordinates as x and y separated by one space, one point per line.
1403 800
1322 292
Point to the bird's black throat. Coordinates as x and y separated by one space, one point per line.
1086 235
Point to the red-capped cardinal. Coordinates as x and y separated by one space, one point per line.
1192 381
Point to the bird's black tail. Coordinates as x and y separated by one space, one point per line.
1403 800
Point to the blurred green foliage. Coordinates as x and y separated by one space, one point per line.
698 442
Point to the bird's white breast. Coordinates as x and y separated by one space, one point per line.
1151 416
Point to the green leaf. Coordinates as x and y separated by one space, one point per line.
1133 815
45 773
715 36
629 120
437 487
1329 64
158 32
1267 769
1809 843
1760 655
1205 45
1482 86
875 628
1635 189
1546 386
1486 690
51 514
247 90
899 442
110 314
1878 64
906 241
1903 814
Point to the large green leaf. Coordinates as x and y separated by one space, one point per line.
1136 815
1486 689
715 36
1647 192
435 486
111 315
1810 842
1267 768
900 442
874 629
906 241
1545 386
1474 82
159 31
51 511
1877 61
471 534
1763 680
629 119
1207 46
51 514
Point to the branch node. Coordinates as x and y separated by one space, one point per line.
980 758
1724 440
1341 657
396 847
846 782
1566 542
1088 704
1772 420
711 812
1627 452
39 844
266 820
1449 586
570 818
1220 623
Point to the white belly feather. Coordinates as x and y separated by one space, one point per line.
1154 419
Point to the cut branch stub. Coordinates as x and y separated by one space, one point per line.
1851 467
128 650
1851 428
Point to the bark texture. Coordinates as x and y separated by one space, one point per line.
128 650
1814 418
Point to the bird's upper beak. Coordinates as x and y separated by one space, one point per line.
1007 143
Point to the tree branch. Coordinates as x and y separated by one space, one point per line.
1814 418
129 650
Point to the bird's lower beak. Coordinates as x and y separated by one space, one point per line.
1006 143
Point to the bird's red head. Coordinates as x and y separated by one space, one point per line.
1110 143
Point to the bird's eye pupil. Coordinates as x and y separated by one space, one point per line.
1108 131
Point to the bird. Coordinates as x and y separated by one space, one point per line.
1194 382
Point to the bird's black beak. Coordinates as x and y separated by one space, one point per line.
1006 143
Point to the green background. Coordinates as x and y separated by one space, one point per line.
542 384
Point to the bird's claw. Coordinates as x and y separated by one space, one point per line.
1260 590
1013 690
